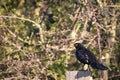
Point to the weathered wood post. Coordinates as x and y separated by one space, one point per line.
78 75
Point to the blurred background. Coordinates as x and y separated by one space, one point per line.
37 37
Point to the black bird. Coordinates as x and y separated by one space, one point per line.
87 57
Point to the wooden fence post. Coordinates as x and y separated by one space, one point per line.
78 75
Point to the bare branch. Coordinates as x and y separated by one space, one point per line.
25 19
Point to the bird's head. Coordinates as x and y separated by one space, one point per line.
78 45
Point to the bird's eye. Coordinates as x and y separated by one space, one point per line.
76 44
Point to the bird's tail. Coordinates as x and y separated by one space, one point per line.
99 66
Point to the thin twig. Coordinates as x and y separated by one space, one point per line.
114 76
91 40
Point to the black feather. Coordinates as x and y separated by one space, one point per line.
87 57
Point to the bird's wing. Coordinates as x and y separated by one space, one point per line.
82 56
91 57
